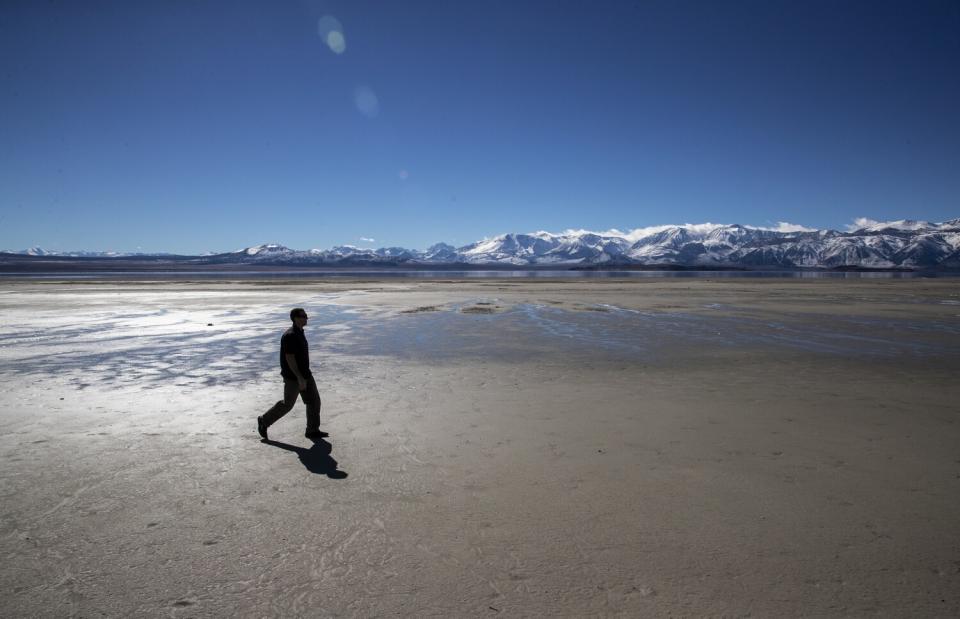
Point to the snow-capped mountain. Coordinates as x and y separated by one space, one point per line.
270 249
441 252
893 244
900 244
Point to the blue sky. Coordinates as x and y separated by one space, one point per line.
204 126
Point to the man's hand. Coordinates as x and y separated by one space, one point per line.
292 364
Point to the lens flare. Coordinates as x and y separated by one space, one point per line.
336 42
331 32
366 101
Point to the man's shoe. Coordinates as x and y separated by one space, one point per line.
262 428
315 434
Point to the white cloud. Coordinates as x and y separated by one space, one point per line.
632 235
786 226
697 229
861 222
367 240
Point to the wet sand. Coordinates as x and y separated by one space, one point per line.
496 448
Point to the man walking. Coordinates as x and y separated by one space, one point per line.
297 379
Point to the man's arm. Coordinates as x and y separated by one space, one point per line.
292 363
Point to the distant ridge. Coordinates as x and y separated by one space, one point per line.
903 244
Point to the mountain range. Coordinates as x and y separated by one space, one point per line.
904 244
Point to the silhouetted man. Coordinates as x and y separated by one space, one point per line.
297 379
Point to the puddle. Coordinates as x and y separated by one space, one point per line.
530 330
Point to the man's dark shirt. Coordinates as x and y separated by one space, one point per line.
294 342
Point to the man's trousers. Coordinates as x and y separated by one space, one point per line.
291 389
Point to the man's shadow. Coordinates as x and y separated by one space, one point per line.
317 459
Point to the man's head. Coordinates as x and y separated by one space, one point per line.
298 316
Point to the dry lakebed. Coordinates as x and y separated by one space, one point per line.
496 447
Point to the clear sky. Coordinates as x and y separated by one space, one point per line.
193 126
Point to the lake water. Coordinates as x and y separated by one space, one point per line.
462 274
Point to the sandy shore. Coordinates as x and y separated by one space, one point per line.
511 448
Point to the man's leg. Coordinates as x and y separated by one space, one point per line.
311 397
290 392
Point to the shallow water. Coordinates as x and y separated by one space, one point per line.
528 330
186 343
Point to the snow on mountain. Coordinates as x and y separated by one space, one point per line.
900 225
544 248
398 253
515 249
588 248
707 244
263 250
44 253
905 225
927 250
441 252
